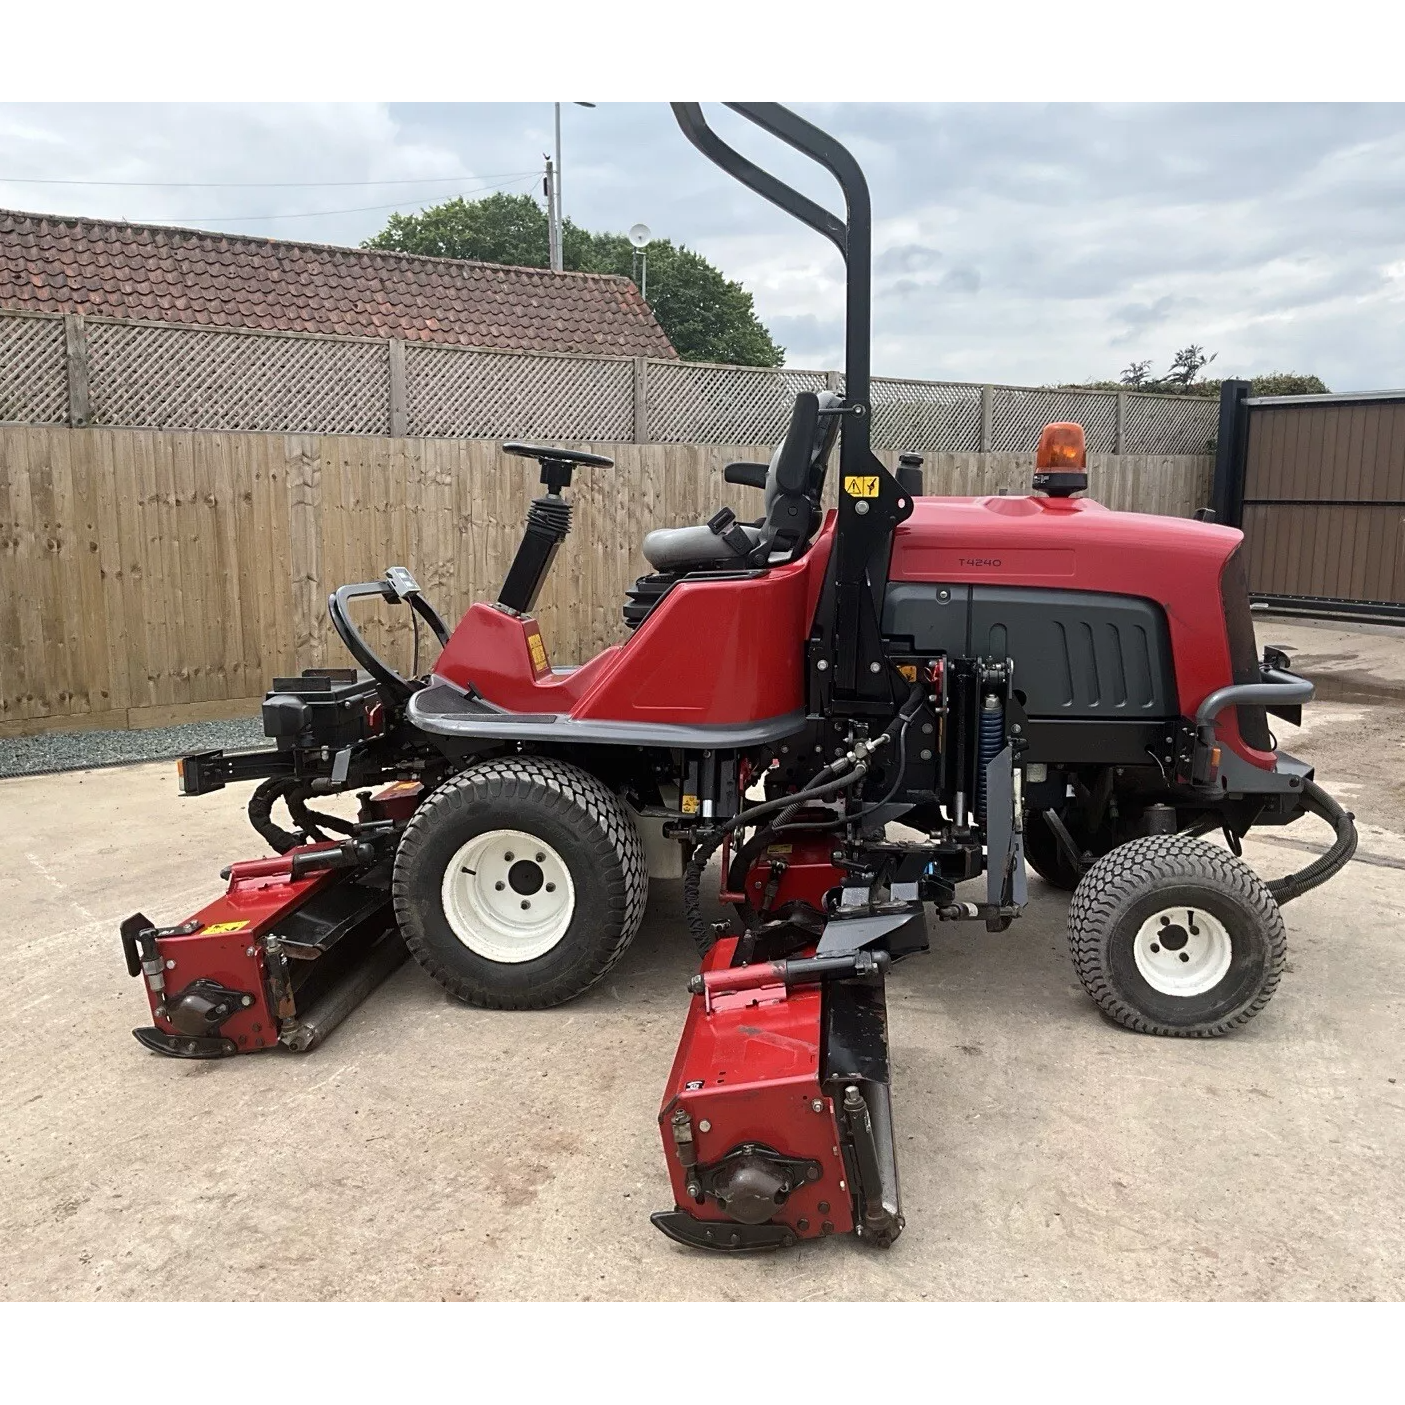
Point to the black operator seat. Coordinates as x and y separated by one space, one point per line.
789 522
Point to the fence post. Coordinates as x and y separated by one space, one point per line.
641 399
1119 428
397 389
1231 454
987 417
75 342
831 381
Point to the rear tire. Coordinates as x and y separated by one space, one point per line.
1174 936
520 882
1045 855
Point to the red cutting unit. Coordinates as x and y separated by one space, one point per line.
776 1120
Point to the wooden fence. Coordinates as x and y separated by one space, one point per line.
154 577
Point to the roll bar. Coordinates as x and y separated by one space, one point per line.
846 631
852 236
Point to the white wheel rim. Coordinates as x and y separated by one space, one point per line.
508 896
1183 951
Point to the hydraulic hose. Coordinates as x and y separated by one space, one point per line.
293 793
261 804
692 875
819 788
312 822
1318 802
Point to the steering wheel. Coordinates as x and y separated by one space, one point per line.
558 464
543 455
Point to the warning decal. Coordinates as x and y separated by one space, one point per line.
541 665
865 487
216 928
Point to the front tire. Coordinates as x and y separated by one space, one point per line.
520 882
1174 936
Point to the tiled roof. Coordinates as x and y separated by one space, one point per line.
50 263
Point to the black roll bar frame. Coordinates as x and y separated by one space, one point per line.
871 500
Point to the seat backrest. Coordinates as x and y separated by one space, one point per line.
819 453
792 518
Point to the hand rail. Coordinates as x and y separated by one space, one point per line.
1277 687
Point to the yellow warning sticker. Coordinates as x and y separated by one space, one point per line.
217 928
865 487
908 671
689 805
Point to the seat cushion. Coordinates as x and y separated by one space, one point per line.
678 548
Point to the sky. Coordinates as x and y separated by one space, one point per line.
1017 243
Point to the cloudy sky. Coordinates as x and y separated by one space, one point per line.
1013 242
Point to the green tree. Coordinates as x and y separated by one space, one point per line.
707 316
1187 364
1288 383
1184 378
500 228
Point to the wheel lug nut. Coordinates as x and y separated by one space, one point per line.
1185 956
525 904
499 886
540 857
551 887
1154 947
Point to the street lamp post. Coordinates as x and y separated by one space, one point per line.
554 213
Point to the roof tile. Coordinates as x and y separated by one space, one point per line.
49 263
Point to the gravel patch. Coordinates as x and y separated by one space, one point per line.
83 751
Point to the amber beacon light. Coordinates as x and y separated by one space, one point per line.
1061 464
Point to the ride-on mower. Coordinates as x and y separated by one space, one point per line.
1012 680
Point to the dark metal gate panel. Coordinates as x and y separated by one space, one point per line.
1317 484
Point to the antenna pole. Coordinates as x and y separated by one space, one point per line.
554 213
550 189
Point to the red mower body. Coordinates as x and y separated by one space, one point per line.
711 652
1078 544
698 657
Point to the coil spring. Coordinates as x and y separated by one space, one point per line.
992 738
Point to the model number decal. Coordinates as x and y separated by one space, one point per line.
978 560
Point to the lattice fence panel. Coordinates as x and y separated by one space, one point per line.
694 404
1170 424
488 395
181 378
33 371
1017 417
926 416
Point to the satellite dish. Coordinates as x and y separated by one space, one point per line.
639 235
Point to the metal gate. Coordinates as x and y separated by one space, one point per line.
1317 483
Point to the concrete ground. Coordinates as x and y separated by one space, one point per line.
434 1151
